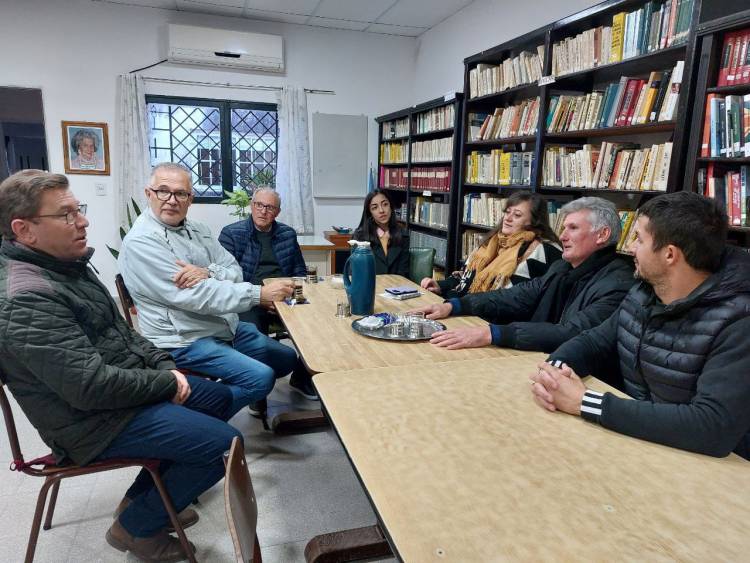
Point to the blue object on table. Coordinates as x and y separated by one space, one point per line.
359 279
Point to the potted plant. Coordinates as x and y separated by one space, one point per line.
240 200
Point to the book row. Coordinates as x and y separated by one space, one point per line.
400 212
527 67
726 127
433 178
652 27
483 209
394 153
615 166
627 225
395 129
498 167
435 119
728 187
423 240
734 67
513 121
630 101
430 213
432 151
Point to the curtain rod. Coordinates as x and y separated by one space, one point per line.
228 85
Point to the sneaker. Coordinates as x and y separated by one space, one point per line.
304 387
187 517
160 547
258 409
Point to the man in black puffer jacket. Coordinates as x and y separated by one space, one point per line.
92 387
577 293
679 339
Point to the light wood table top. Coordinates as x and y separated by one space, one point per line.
327 343
462 465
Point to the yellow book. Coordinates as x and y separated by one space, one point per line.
504 169
618 32
625 230
653 88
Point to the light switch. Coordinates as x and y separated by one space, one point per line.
101 188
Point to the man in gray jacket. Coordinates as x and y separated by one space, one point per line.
188 291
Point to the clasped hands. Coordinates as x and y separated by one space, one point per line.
557 388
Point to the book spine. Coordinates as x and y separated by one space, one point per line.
706 139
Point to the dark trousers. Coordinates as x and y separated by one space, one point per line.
190 439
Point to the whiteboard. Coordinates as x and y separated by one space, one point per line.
339 155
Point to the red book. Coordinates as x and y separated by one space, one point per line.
672 21
627 101
636 94
736 205
706 141
742 75
726 58
736 61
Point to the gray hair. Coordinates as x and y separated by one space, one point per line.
82 134
269 190
174 167
602 213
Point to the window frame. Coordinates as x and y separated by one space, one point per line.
225 108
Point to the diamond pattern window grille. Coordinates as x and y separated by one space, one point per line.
225 145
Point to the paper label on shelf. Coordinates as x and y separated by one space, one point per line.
449 96
544 80
426 193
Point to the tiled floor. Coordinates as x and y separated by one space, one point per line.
304 486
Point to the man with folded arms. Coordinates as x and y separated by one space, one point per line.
577 292
92 387
188 290
679 339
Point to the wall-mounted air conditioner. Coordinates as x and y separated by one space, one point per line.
218 47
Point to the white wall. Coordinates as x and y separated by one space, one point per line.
479 26
74 50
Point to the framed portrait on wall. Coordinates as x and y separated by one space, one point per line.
86 147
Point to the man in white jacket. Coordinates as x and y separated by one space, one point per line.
188 291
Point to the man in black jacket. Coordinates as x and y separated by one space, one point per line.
577 293
679 339
93 388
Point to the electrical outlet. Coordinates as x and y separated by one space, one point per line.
101 189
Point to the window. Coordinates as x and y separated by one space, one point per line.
226 145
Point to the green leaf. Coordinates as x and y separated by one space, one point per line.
123 232
135 207
130 219
114 252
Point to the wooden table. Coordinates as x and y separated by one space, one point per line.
461 465
327 343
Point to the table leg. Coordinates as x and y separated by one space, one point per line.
348 545
298 422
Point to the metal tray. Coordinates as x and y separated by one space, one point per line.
425 331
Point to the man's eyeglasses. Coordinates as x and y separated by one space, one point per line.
70 216
263 207
165 195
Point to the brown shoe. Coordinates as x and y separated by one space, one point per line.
162 547
187 517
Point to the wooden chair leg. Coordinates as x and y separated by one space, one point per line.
36 524
51 505
167 500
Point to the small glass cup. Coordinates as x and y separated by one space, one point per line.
415 320
312 274
396 329
299 294
343 309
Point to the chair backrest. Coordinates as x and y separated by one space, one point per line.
10 424
126 302
421 263
240 505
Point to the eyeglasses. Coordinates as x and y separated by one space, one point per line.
263 207
70 216
165 195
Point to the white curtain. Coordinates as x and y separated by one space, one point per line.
133 138
293 165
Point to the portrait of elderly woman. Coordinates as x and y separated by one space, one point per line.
86 147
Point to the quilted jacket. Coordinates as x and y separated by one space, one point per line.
76 369
240 241
686 363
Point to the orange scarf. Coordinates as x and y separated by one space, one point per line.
496 261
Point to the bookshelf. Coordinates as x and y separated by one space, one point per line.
711 169
423 184
587 82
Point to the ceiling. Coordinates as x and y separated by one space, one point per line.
390 17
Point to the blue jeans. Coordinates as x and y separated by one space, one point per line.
249 364
190 439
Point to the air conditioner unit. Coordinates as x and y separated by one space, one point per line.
219 47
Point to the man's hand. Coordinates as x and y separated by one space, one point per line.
430 285
277 290
436 310
473 337
183 388
189 275
557 388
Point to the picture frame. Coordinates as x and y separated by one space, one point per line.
86 147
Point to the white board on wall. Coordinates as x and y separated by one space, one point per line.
339 155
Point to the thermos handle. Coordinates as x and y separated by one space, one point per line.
345 274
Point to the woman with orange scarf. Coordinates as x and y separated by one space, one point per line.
521 247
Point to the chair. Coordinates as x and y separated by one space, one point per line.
240 505
126 301
54 473
421 263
